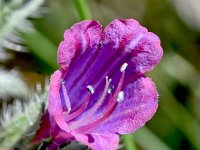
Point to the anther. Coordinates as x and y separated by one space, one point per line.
62 82
120 96
110 89
90 89
123 67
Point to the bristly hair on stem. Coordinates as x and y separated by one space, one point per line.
17 121
13 18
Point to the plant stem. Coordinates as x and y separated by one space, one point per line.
83 9
129 142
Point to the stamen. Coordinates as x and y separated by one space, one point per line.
123 67
90 89
88 122
79 111
120 96
66 98
63 82
93 124
119 86
95 107
100 100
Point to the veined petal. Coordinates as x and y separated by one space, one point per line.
99 141
59 137
81 105
139 105
79 38
55 108
140 47
123 41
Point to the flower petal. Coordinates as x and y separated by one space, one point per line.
59 137
79 38
141 47
123 41
99 141
139 105
55 108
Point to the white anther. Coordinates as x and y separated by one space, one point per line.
123 67
62 82
110 89
90 89
120 96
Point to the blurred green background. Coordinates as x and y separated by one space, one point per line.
30 32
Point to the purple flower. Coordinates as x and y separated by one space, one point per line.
101 90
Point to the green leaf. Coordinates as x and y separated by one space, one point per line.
148 140
41 47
